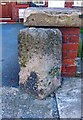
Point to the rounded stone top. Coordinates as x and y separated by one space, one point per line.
40 16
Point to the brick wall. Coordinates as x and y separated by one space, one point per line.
70 36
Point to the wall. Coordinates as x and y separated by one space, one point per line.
70 36
15 10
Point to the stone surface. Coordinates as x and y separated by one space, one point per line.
52 17
40 53
78 66
69 98
66 104
16 104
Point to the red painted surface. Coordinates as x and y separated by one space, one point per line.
5 10
70 36
69 4
15 10
10 10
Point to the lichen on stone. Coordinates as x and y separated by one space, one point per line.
40 60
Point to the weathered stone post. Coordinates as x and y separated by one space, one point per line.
40 49
40 60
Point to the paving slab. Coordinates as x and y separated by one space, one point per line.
69 98
16 104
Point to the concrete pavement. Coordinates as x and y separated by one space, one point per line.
66 103
69 98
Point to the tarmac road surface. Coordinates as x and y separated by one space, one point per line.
9 59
